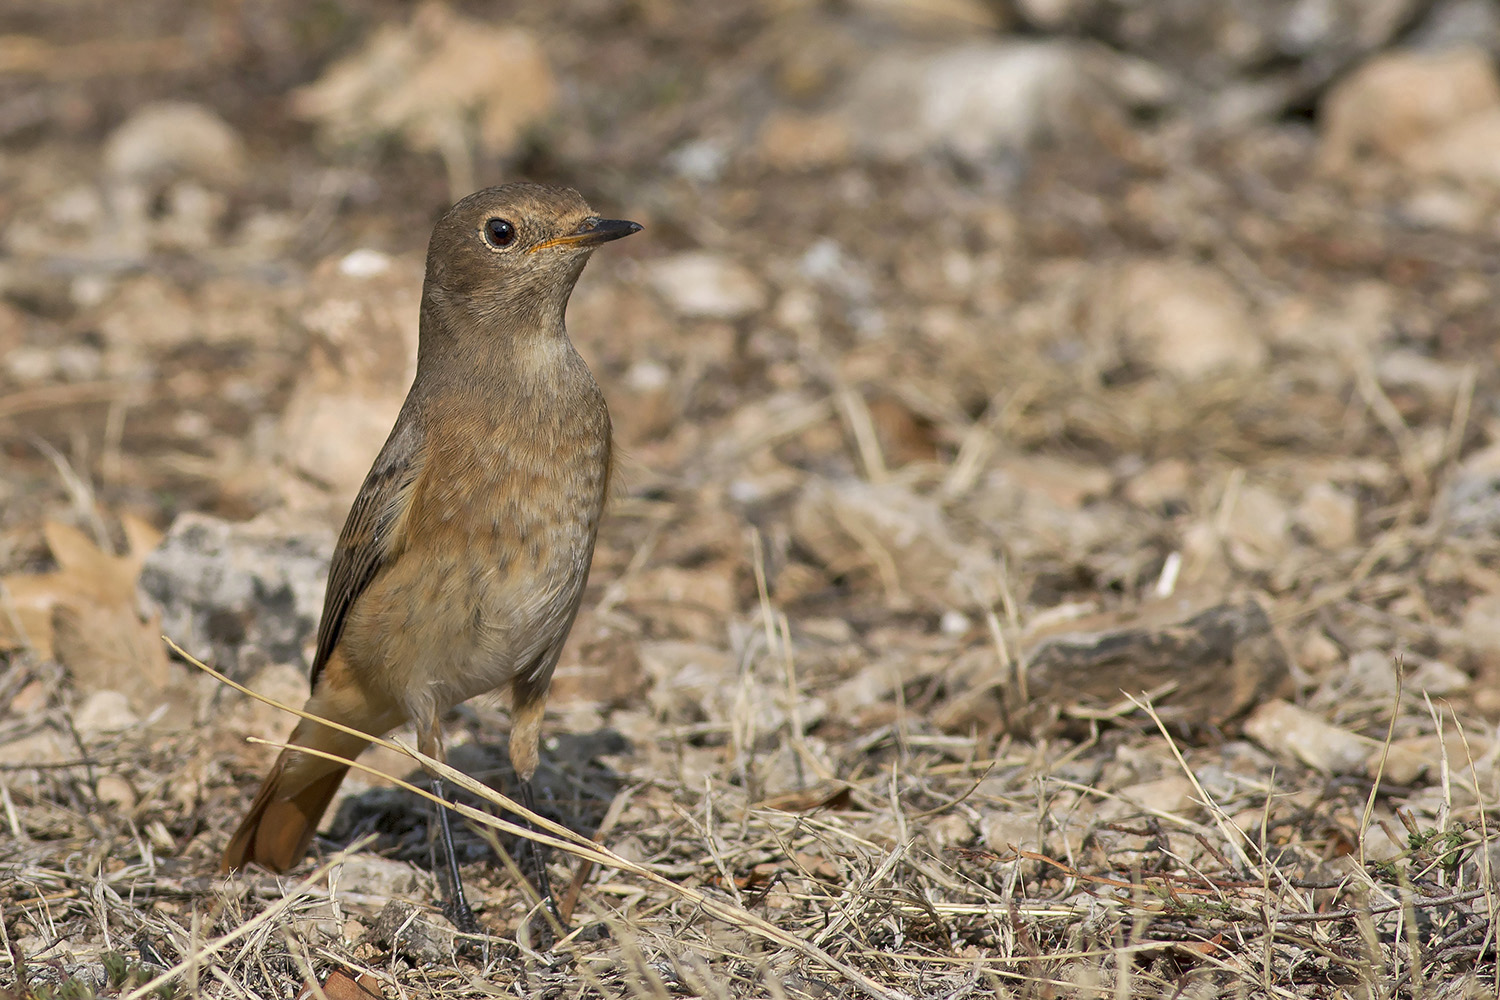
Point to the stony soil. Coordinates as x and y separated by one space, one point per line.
1053 552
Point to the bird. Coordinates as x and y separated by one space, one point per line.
462 562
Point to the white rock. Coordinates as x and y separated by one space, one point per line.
175 137
1285 729
1171 793
371 875
364 263
1406 369
973 101
1187 319
105 712
706 286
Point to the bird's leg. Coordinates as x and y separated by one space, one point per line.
455 904
526 725
534 865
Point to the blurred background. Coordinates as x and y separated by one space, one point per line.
957 325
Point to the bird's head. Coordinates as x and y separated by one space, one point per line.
515 249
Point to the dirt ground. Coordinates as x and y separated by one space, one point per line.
1055 551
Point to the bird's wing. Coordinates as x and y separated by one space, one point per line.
371 535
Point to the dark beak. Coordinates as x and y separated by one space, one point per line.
600 231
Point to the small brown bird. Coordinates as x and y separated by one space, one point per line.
463 559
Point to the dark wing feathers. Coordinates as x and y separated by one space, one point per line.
364 544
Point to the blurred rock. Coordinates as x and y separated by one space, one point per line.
1410 758
144 318
442 83
1186 319
1371 673
902 540
975 102
1435 677
230 589
1481 622
1256 528
1429 111
1285 729
105 712
1468 152
175 138
1284 48
938 13
702 285
1007 829
284 683
1473 494
45 746
1330 518
789 141
1162 483
113 790
362 313
1354 319
1418 373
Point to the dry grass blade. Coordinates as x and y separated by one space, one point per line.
565 839
266 916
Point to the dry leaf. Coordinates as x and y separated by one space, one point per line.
341 986
831 795
429 80
83 614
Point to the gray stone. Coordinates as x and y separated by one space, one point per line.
405 930
223 588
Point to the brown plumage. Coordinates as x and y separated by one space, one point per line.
463 560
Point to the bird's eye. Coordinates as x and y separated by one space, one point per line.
499 233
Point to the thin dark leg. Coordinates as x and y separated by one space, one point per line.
533 858
456 906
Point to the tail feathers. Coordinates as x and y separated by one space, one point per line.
279 827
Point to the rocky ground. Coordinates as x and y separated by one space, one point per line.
1056 546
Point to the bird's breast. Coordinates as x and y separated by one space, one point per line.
496 546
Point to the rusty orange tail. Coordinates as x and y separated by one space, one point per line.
275 834
277 830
